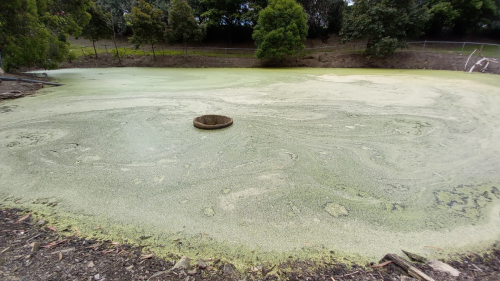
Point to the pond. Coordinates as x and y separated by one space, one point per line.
355 162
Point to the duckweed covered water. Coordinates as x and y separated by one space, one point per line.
363 162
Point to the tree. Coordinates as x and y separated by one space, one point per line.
281 30
386 24
147 25
117 8
323 16
97 28
64 17
182 24
34 32
441 14
462 16
229 13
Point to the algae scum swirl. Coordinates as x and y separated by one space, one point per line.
361 162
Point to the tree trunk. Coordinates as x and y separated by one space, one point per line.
114 41
117 53
153 47
93 42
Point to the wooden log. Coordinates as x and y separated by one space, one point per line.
415 257
412 271
30 81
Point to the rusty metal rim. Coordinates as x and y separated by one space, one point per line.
200 125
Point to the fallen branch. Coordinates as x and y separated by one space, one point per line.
465 67
381 264
480 63
23 218
412 271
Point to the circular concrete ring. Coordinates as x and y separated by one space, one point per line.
212 122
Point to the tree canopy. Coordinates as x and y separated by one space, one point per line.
147 25
385 24
281 30
97 28
34 32
323 16
182 24
460 16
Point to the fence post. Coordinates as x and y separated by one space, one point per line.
463 47
425 42
1 62
106 48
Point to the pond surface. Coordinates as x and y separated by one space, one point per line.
360 162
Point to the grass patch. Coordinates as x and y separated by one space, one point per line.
457 48
487 51
79 51
85 51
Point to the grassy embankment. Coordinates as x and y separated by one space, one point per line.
129 51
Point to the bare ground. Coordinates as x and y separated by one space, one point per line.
400 60
34 250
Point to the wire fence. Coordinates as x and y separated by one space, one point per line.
462 48
485 49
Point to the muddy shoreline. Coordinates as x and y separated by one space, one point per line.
80 259
400 60
35 250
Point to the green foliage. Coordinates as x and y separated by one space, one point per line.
34 32
460 15
72 56
229 14
117 9
97 28
147 25
182 24
386 24
281 30
64 16
323 16
441 14
218 13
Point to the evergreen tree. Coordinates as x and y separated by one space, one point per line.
97 28
34 32
462 16
147 25
182 24
386 24
281 30
230 14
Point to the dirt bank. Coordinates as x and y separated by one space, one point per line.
34 250
400 60
18 89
